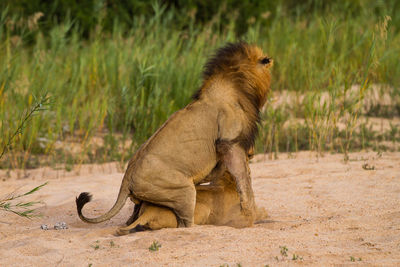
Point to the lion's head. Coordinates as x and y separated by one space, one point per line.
246 71
245 65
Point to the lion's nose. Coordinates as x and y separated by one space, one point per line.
266 61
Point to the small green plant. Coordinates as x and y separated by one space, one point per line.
23 209
112 244
353 259
155 246
96 246
39 105
296 257
284 251
368 167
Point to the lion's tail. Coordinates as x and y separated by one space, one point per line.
86 197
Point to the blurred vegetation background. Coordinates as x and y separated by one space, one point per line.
114 71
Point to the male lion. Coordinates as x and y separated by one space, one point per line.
182 152
216 203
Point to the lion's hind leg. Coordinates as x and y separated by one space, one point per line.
153 217
141 221
135 214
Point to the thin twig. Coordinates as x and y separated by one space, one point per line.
21 208
44 100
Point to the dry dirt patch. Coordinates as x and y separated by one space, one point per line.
324 211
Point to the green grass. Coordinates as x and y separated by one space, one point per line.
96 245
284 251
155 246
119 87
23 209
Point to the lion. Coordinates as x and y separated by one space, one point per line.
217 203
182 152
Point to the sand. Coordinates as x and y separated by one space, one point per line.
325 211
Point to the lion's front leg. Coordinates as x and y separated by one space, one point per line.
235 159
184 209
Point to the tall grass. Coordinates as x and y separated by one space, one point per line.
111 92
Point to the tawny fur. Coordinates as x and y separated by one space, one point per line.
182 152
217 203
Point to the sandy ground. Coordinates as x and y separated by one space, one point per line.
326 212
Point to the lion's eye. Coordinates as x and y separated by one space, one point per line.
265 61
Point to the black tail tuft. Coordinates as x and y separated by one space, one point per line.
83 198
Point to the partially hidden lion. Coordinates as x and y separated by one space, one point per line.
217 203
182 152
